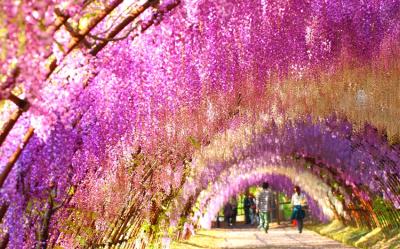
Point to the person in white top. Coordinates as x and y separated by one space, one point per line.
298 202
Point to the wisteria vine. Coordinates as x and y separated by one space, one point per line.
129 133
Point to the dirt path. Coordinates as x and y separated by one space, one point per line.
277 238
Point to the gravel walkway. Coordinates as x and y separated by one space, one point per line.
282 238
251 238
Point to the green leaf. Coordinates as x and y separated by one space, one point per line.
194 142
71 191
29 206
81 240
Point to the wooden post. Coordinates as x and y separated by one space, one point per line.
278 218
4 241
9 125
23 105
118 28
3 210
44 230
75 41
15 156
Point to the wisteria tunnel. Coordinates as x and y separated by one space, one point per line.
129 123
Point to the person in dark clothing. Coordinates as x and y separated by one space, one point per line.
234 204
247 204
253 210
228 212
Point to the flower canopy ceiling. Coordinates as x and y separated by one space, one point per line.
124 121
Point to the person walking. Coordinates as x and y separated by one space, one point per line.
253 210
298 202
264 204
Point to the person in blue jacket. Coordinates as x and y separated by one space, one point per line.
298 202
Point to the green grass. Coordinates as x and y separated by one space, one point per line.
359 237
203 239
